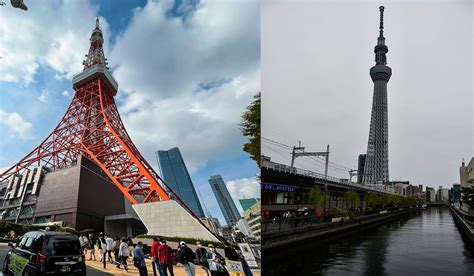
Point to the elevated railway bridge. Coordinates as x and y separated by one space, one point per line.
283 189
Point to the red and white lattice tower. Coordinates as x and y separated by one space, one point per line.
92 127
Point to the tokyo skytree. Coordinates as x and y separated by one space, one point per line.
376 163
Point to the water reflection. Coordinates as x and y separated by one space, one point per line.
424 243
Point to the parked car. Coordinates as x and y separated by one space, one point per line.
42 253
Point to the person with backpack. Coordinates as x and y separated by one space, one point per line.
230 252
92 242
186 257
139 259
166 256
216 262
201 254
154 255
123 254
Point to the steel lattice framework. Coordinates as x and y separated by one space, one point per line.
376 163
92 127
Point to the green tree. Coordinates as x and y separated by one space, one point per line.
372 200
317 198
467 196
351 198
250 127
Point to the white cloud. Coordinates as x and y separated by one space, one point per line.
49 34
186 83
15 125
43 97
65 93
243 188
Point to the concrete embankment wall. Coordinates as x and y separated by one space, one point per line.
463 226
293 236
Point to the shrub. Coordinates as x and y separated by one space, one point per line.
350 215
336 212
186 240
21 229
69 230
87 231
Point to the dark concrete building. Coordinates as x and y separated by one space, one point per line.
80 196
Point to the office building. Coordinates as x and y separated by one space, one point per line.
226 204
174 172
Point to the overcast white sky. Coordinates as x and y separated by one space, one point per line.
316 87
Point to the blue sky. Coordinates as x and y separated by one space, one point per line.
186 71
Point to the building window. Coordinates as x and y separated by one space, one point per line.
281 198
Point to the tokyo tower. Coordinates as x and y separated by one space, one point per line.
92 127
376 163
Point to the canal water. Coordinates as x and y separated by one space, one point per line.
427 242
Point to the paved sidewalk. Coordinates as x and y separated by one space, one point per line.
113 270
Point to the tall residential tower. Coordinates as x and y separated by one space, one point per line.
376 163
227 205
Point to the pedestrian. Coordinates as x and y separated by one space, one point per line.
201 254
109 242
123 254
84 241
92 242
230 252
139 259
115 249
154 255
130 247
166 257
186 257
216 262
245 266
101 244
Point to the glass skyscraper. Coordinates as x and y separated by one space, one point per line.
227 205
174 172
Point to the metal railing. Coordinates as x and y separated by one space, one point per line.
293 170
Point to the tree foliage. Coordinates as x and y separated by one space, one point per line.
351 198
376 201
467 196
250 127
317 198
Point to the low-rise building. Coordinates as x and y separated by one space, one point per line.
253 216
442 194
467 174
430 194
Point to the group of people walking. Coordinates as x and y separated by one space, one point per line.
120 248
162 255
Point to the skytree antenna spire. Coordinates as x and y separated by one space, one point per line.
376 164
381 8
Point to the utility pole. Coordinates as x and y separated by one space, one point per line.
293 154
327 162
299 151
351 174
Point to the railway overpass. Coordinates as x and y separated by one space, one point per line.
283 188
